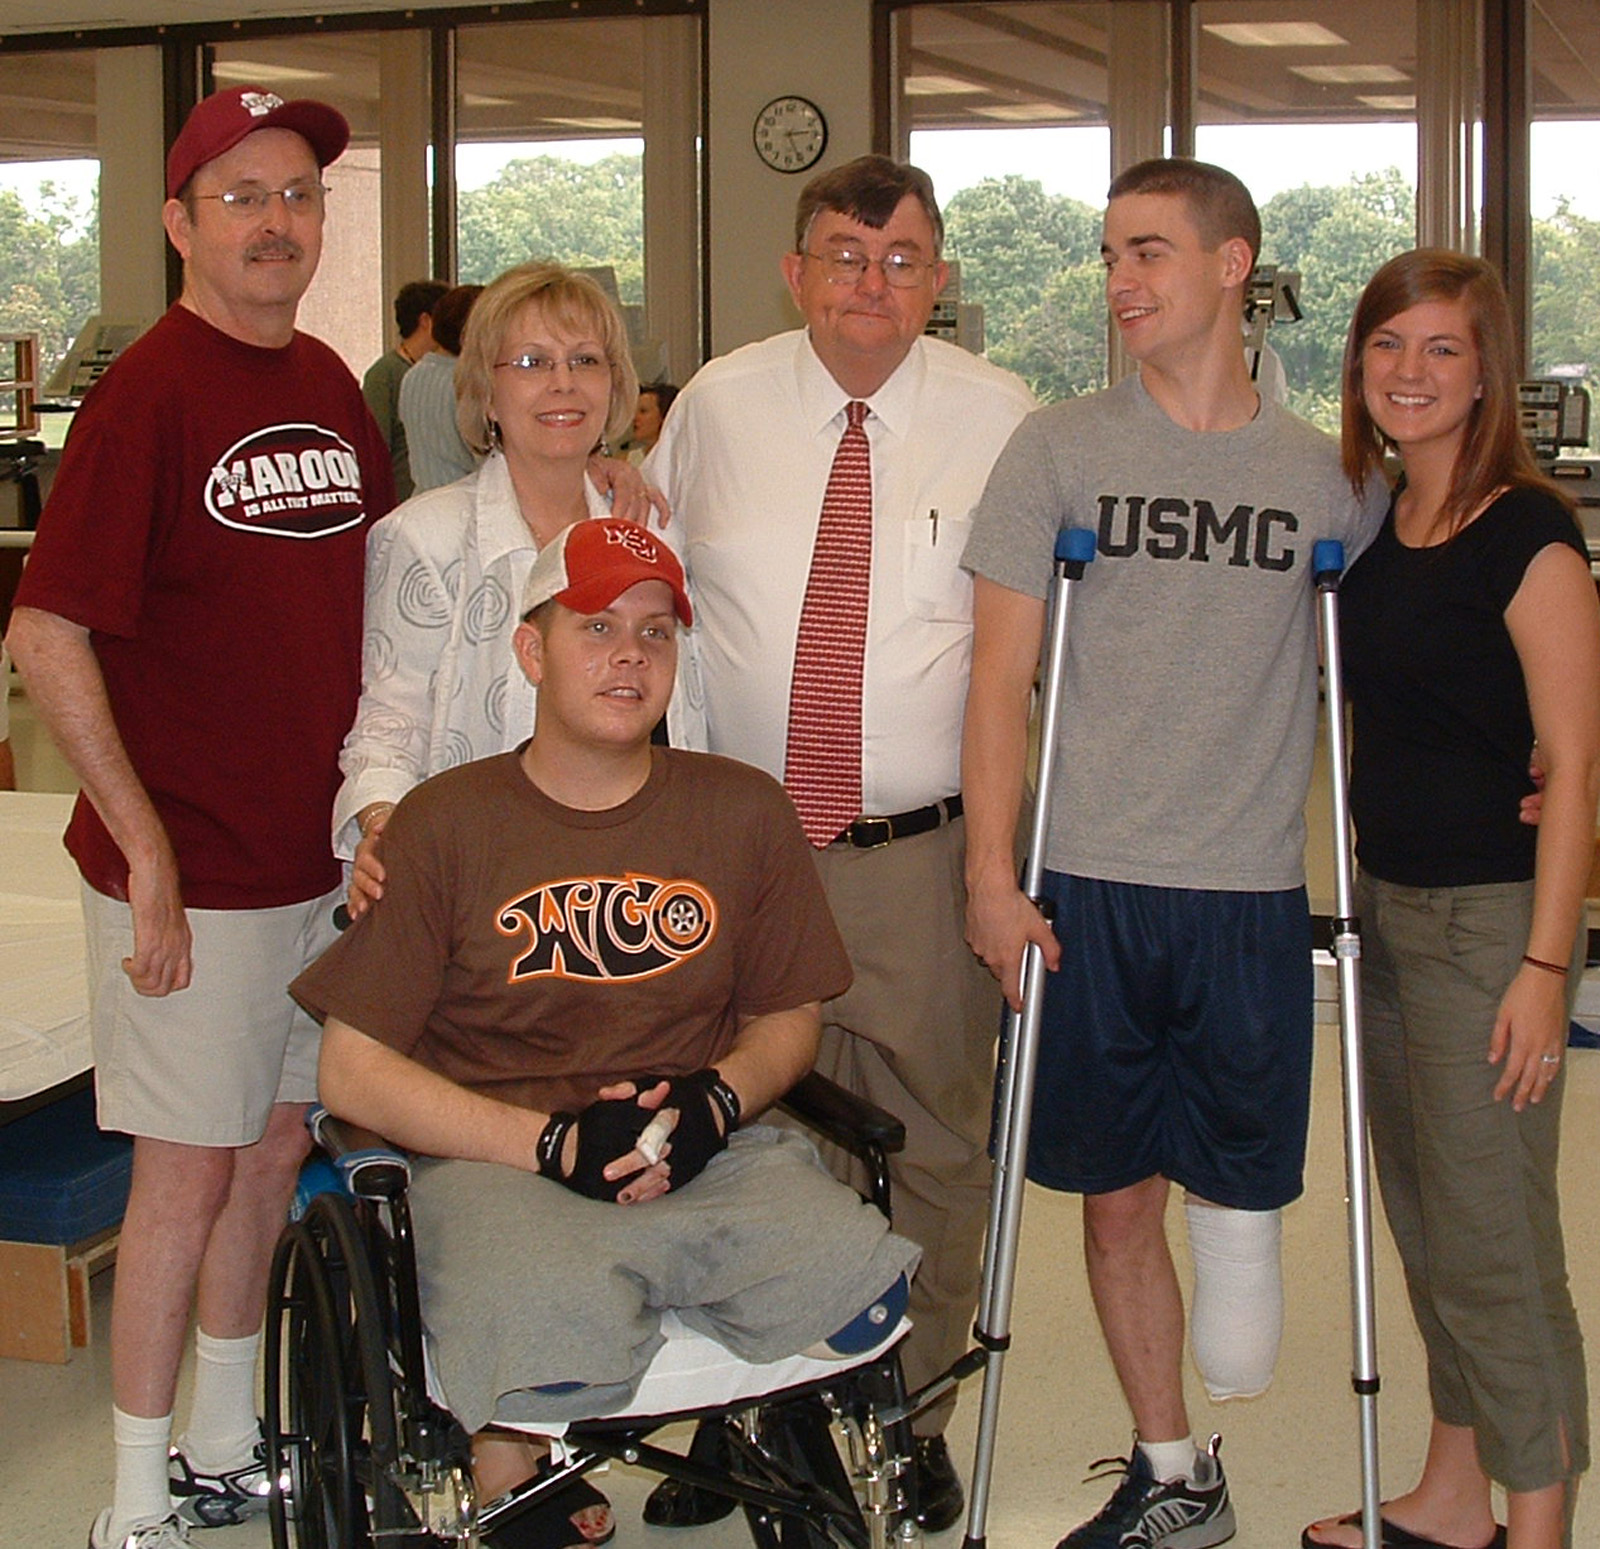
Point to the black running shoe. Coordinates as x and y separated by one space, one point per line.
1149 1513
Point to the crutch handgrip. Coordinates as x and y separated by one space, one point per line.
1327 562
1075 548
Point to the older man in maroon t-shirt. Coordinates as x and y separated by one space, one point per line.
189 626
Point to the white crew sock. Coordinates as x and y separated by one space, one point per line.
1236 1314
141 1490
1171 1459
223 1429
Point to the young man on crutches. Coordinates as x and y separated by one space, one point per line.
1176 1037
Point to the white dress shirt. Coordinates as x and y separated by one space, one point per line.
439 682
744 458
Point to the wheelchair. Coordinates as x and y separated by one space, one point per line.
363 1457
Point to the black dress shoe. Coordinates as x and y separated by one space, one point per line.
940 1501
675 1504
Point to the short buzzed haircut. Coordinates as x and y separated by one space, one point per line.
868 189
1218 203
413 301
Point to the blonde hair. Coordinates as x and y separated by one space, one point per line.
568 300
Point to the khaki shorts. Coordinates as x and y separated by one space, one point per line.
204 1066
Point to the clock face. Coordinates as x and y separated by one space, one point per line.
790 134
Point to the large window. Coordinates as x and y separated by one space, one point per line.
1017 109
1565 195
346 306
1314 107
1006 108
49 199
577 140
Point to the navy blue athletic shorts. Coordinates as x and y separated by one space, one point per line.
1176 1040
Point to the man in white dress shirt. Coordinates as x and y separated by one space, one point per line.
744 459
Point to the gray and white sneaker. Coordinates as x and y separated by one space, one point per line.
218 1500
169 1533
1149 1513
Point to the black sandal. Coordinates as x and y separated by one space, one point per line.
549 1524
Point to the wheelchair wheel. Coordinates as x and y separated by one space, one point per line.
330 1412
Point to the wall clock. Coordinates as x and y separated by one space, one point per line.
790 134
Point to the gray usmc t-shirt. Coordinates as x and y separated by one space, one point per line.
1189 714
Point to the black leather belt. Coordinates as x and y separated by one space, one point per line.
874 833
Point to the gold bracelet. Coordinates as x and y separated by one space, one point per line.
1549 968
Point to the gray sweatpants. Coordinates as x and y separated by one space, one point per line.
526 1284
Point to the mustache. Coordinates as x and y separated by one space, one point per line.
275 247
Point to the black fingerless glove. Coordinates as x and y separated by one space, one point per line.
606 1130
708 1112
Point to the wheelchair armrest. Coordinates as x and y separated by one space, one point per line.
370 1167
842 1117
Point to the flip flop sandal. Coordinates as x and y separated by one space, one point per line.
1392 1536
550 1523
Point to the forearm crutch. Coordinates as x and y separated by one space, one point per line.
1019 1042
1327 564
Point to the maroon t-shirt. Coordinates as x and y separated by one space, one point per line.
208 526
537 952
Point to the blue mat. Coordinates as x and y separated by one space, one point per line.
61 1178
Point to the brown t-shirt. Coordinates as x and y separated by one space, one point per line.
535 952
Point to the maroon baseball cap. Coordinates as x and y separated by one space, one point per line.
591 564
219 122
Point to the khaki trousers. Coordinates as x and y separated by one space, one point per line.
1469 1186
915 1034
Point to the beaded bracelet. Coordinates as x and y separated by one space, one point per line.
1549 968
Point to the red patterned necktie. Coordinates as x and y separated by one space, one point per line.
822 765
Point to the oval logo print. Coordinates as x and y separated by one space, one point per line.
289 481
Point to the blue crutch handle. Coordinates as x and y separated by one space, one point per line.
1075 545
1327 560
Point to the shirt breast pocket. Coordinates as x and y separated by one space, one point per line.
937 588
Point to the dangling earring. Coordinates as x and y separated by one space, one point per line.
492 429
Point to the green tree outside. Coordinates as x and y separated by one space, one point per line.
547 207
1033 260
1030 257
49 268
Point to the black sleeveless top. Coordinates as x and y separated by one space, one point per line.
1441 731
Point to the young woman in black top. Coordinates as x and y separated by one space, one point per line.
1470 630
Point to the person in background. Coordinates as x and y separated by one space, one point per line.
435 450
1470 629
544 376
655 398
413 317
193 645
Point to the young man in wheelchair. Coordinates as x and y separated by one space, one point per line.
593 958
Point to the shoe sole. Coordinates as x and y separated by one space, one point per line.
1202 1535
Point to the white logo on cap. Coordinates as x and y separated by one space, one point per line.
259 103
635 539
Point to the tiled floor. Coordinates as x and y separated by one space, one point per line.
1291 1454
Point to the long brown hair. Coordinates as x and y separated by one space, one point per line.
1493 453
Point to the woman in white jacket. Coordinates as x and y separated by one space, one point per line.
544 377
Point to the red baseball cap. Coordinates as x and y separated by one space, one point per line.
219 122
591 564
